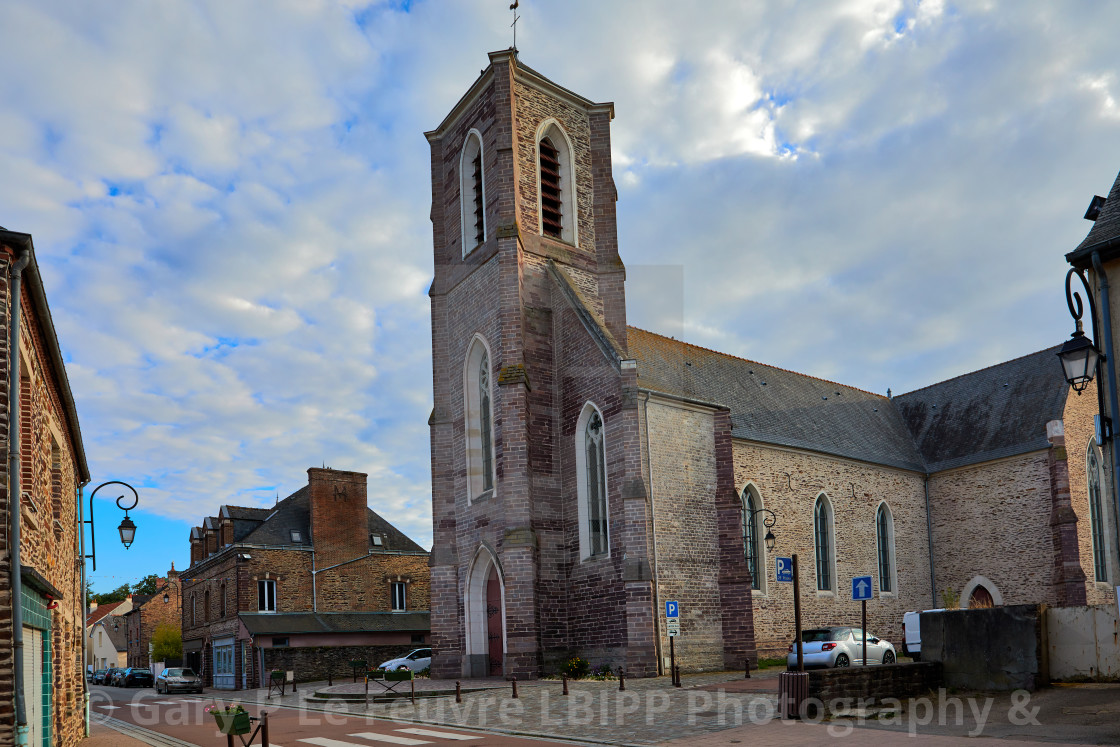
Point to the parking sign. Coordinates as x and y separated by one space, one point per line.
783 569
672 610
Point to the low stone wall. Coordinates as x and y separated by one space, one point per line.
313 663
900 681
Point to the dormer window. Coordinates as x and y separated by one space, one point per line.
472 193
556 200
297 536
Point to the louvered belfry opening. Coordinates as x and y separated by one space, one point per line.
479 229
551 217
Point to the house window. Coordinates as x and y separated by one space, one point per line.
1096 518
279 642
297 536
591 485
479 425
822 536
556 183
266 596
222 601
751 507
472 193
206 607
884 533
194 611
375 540
398 594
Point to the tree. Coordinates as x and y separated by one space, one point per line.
147 585
118 594
167 643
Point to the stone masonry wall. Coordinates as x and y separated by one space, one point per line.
49 531
971 507
683 461
855 490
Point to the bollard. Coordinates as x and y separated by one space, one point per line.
565 679
264 729
677 683
293 683
621 680
458 691
514 682
747 676
330 678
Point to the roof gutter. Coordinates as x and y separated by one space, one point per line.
23 251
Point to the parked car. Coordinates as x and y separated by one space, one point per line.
416 660
112 676
912 634
136 677
178 680
840 646
99 676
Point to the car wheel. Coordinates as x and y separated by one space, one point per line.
402 667
888 657
843 661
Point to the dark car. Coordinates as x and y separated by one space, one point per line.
99 676
112 676
136 677
178 680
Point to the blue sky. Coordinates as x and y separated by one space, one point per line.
230 207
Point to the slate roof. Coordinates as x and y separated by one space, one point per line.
773 405
1105 228
987 414
983 415
294 512
334 622
117 635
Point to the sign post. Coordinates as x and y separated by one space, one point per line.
797 614
673 628
861 592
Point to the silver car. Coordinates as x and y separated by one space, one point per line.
417 661
840 646
178 680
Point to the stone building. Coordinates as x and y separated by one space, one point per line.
148 612
584 472
315 581
41 680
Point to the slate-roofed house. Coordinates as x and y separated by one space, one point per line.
270 588
108 643
585 471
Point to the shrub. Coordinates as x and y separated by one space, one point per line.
424 673
576 668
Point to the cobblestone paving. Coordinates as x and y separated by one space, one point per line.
648 712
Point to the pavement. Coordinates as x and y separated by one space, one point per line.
719 708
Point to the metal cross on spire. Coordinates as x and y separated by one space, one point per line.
516 18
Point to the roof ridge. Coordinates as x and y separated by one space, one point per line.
976 371
757 363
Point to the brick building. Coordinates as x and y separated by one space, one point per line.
149 612
41 691
315 581
584 471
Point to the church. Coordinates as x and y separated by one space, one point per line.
585 472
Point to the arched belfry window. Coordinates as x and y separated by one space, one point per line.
1096 516
752 504
591 483
472 193
884 537
556 184
479 410
823 540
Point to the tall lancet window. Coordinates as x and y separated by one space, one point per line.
472 193
1096 519
884 531
556 184
596 484
822 536
484 422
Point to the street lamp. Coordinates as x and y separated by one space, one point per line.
1079 355
768 521
127 528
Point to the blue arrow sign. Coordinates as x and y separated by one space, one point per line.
672 610
861 588
783 570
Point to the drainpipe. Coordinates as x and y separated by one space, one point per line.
84 607
1110 366
929 537
24 254
653 532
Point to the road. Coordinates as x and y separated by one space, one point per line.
184 717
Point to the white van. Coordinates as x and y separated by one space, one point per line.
912 634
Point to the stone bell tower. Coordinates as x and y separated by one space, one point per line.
529 347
